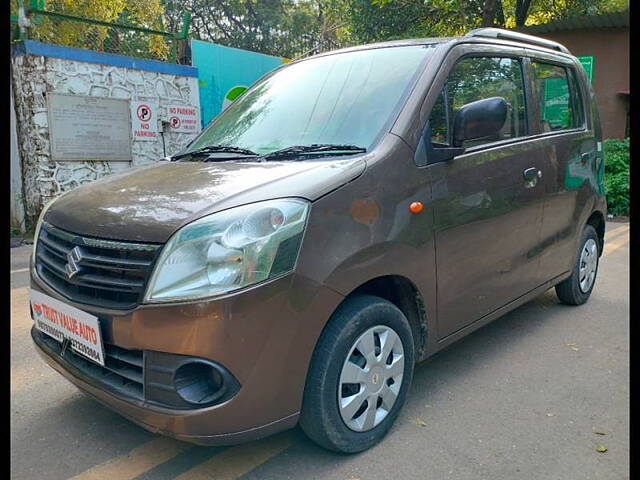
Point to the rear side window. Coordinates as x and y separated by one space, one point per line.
477 78
557 97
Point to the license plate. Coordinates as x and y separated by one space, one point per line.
80 330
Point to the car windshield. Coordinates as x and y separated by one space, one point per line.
343 99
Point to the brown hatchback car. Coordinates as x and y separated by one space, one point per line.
348 216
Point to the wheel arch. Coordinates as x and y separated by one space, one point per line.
402 292
597 221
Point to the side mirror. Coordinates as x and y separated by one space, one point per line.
479 119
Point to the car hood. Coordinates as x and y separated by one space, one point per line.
150 203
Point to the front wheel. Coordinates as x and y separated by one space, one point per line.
576 289
359 375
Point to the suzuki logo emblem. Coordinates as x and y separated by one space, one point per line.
73 259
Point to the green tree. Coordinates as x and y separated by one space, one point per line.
279 27
376 20
144 13
538 11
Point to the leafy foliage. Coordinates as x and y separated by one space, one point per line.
542 12
436 18
294 28
617 176
142 13
371 22
277 27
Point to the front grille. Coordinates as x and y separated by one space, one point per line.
104 273
122 372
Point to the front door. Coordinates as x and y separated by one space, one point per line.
488 201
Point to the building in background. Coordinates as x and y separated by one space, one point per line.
602 44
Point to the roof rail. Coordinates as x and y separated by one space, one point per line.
516 36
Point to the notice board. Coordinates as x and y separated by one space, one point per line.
89 128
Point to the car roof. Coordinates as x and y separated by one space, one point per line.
488 36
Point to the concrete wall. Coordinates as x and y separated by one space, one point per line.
38 69
610 47
16 205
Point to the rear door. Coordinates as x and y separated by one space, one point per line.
487 204
568 145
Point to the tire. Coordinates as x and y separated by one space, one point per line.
356 323
572 291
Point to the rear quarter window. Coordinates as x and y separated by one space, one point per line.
558 99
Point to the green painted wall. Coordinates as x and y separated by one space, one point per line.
224 73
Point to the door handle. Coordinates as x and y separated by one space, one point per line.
585 157
531 176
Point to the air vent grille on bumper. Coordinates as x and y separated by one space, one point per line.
122 372
92 271
148 376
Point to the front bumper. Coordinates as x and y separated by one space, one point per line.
264 336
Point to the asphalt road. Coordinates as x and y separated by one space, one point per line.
529 396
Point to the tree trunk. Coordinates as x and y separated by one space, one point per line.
500 14
488 13
522 12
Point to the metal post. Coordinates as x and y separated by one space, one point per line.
186 24
23 21
181 36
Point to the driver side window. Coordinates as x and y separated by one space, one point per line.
477 78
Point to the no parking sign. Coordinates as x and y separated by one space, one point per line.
183 118
144 120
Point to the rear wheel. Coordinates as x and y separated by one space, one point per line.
359 375
576 289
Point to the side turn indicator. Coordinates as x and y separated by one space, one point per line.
416 207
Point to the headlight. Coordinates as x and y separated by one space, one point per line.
229 250
36 234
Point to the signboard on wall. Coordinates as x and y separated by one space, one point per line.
144 120
183 118
89 128
587 62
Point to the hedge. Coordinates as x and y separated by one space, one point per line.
616 176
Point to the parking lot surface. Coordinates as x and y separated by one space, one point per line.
531 396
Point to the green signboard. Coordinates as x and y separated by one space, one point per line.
556 96
587 63
556 102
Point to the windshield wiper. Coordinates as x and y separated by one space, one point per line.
295 150
215 149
